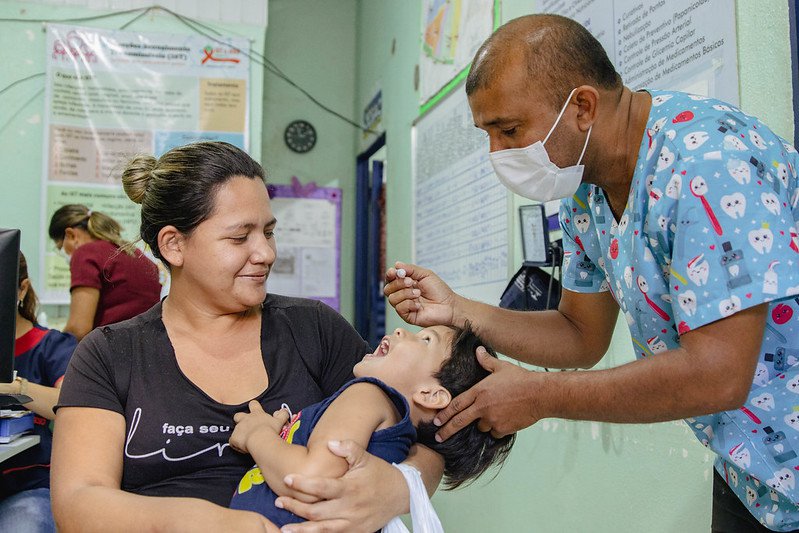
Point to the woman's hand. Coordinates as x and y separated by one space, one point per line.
250 424
420 297
14 387
371 493
42 398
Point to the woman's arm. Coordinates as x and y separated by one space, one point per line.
355 414
86 478
371 493
44 398
82 308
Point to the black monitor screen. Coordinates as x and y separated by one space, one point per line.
9 284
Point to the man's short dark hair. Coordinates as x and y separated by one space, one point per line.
469 452
560 55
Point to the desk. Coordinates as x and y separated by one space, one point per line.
18 445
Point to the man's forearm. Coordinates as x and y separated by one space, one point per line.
649 390
711 371
541 338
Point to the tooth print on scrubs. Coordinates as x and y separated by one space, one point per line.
709 229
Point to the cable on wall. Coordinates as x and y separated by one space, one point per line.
197 27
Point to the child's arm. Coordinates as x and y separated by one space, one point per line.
357 412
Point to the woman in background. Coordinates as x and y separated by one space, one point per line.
40 358
111 280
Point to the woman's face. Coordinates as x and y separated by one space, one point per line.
71 241
227 258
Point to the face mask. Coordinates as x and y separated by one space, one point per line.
530 173
61 253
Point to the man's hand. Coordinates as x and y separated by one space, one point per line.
501 401
250 424
420 297
371 493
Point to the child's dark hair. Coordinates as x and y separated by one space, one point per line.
469 452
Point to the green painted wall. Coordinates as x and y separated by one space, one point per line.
313 42
565 475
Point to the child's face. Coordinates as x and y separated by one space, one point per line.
405 360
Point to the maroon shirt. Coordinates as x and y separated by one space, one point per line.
128 285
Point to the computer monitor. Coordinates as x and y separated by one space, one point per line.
9 285
535 236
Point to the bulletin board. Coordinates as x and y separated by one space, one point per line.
684 45
452 32
308 236
112 94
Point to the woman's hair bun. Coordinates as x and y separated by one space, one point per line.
137 175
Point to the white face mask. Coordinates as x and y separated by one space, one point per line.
65 256
530 173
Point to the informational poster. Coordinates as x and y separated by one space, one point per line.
452 31
308 237
113 94
687 45
461 211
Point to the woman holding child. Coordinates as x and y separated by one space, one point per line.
147 406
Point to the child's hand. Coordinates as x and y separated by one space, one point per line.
255 422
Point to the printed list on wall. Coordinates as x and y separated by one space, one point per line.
309 237
460 223
114 94
686 45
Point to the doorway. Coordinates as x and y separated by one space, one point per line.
370 242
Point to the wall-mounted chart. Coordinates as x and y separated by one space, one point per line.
460 223
685 45
308 235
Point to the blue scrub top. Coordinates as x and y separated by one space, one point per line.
709 229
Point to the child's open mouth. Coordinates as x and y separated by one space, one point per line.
382 349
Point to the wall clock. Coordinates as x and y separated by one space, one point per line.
300 136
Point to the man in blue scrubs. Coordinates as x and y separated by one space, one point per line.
680 211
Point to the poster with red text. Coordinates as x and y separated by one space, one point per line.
112 94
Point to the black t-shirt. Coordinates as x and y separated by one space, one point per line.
176 441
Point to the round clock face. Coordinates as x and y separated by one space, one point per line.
300 136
